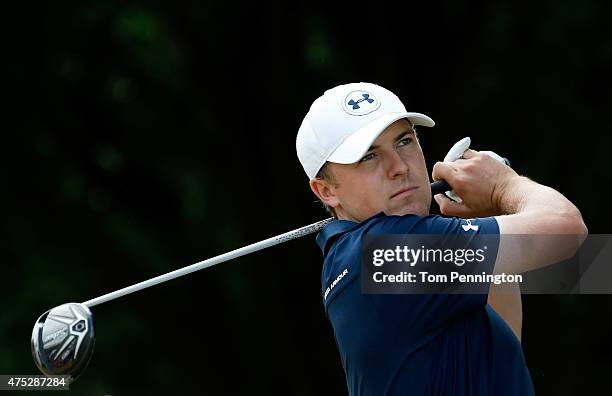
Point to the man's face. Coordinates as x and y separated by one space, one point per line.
391 178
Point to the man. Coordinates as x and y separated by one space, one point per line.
358 147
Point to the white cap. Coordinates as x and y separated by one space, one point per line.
342 124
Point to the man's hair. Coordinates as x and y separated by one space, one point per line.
326 174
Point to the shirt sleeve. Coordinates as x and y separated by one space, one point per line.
412 224
424 312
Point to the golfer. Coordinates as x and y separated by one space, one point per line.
359 149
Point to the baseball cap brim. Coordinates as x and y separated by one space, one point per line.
353 148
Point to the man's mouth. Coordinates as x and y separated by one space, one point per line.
404 192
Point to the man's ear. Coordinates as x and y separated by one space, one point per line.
325 192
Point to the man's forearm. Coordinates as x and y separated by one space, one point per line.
522 195
552 223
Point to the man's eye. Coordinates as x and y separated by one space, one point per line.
404 141
367 157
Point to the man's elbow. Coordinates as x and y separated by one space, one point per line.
582 230
575 229
574 224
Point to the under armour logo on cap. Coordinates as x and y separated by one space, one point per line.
355 105
360 103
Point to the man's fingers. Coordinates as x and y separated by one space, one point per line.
467 154
451 208
442 170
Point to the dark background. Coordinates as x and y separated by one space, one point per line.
140 137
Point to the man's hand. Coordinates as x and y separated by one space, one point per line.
520 206
479 180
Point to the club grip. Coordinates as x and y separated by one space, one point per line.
439 187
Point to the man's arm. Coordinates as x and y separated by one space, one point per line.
536 210
489 188
521 206
505 299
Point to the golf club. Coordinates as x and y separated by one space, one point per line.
63 338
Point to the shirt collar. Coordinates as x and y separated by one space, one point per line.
330 232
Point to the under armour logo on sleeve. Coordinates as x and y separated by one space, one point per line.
469 226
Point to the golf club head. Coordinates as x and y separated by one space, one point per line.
63 340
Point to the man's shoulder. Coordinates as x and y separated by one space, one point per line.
381 224
378 223
432 224
340 242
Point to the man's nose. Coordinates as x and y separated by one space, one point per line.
397 165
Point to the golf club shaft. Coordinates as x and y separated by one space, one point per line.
309 229
437 187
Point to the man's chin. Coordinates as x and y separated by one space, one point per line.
410 208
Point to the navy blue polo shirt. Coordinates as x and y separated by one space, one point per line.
415 344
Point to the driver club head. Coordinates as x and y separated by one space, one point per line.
63 340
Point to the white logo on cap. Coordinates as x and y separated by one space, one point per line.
360 103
